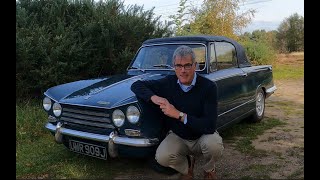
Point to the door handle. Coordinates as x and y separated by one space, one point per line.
244 74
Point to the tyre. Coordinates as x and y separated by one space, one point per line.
259 106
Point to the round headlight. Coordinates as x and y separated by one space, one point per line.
57 109
133 114
46 102
118 117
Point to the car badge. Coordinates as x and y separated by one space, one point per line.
103 102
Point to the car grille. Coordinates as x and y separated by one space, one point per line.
86 119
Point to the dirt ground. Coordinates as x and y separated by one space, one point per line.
284 144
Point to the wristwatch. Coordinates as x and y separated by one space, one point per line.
181 114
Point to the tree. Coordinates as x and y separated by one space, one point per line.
290 36
214 17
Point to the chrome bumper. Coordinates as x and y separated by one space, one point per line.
113 139
270 91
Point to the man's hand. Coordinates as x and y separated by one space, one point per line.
167 108
158 100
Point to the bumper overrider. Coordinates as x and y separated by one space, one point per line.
113 139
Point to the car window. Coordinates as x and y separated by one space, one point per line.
151 57
213 64
226 55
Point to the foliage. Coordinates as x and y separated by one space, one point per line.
259 46
214 17
290 37
65 40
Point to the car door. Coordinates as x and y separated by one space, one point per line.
224 70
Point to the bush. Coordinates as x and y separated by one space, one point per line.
259 53
61 41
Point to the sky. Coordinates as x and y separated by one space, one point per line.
269 13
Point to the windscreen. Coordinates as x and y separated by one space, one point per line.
160 56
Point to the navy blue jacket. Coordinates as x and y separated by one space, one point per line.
200 103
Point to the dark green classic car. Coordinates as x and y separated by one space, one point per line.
103 118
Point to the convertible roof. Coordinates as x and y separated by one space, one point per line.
242 58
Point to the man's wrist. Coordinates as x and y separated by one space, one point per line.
181 116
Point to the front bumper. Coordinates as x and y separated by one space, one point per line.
113 139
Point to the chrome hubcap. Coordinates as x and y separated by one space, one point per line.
260 104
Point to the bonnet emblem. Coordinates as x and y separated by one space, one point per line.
103 102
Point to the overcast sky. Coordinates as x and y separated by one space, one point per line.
270 13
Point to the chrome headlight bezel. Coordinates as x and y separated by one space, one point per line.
46 104
118 118
57 109
133 114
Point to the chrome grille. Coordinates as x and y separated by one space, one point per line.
87 117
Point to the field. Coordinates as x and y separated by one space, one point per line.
272 149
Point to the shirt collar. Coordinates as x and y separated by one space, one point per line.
193 80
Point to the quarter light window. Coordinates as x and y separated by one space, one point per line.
226 55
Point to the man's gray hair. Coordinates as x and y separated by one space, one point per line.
184 51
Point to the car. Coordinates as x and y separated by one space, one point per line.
103 118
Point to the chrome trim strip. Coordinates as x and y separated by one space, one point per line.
271 90
80 134
50 97
112 107
235 107
224 77
137 142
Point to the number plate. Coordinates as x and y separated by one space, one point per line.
88 149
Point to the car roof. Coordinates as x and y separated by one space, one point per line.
203 38
242 58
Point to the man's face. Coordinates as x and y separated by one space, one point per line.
184 69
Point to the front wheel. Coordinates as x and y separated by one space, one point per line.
260 106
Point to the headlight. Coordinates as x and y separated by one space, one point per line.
118 117
133 114
46 103
57 109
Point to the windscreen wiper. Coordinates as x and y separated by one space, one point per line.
163 65
132 67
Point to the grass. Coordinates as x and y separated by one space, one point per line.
243 134
261 171
289 66
289 107
297 174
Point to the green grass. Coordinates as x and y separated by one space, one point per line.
284 71
261 171
289 107
297 174
243 134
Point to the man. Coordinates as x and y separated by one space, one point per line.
189 102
